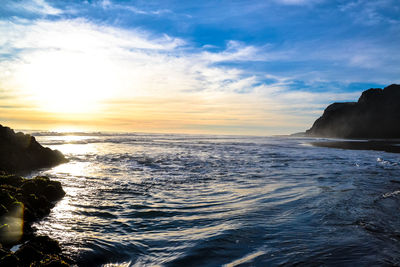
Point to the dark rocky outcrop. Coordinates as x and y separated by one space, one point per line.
376 115
22 202
21 152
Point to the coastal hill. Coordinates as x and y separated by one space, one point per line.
376 115
21 152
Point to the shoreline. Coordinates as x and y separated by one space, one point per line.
389 145
24 201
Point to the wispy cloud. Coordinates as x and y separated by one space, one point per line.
78 35
109 5
76 58
371 12
143 76
40 7
298 2
154 63
235 51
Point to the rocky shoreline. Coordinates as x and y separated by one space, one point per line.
24 201
386 146
21 152
371 123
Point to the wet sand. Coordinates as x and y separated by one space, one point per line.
387 146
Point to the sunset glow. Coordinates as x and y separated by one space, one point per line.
199 133
107 65
63 82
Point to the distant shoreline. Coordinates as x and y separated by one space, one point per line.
390 146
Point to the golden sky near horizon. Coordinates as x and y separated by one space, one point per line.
88 80
103 65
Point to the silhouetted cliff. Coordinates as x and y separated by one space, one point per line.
20 152
375 115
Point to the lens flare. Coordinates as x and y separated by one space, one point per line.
12 224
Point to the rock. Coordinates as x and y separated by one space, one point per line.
11 179
53 262
28 254
21 152
29 187
45 244
9 260
5 198
41 251
3 210
31 197
3 252
42 186
54 191
375 115
23 201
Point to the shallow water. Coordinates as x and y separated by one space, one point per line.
183 200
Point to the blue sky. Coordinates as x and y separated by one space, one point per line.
244 67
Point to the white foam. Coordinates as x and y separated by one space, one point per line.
391 194
246 258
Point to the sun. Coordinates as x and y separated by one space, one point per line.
67 82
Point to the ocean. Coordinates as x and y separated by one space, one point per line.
198 200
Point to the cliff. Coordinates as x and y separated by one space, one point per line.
21 152
375 115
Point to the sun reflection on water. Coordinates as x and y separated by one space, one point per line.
76 149
73 168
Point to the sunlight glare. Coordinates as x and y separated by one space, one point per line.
67 129
67 82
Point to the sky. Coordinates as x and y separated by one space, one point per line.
247 67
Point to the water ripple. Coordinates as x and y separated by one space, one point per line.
177 200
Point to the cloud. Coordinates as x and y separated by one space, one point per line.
40 7
135 61
152 63
371 12
298 2
235 51
140 78
73 64
78 35
109 5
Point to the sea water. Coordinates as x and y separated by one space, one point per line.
186 200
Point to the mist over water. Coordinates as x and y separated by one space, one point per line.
184 200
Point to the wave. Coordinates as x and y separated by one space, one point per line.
170 200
